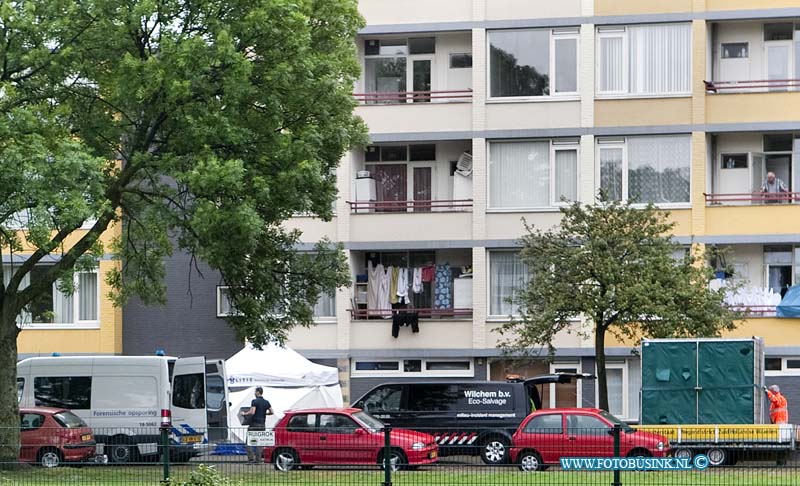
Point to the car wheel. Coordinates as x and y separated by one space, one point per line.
530 461
49 458
495 451
397 460
285 460
640 453
121 450
683 453
716 457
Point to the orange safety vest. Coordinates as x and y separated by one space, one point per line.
778 413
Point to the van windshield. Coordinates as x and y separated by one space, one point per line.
369 421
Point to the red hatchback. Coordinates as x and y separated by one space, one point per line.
546 436
344 436
50 436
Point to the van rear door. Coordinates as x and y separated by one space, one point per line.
189 421
216 400
535 386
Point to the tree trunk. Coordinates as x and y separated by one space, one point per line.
9 409
600 360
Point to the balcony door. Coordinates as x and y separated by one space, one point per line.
394 182
778 61
420 78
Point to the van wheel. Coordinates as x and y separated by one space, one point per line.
122 450
49 457
285 460
530 461
495 450
683 453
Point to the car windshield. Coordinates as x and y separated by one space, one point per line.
368 421
69 420
615 420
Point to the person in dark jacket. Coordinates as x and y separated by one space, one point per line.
259 409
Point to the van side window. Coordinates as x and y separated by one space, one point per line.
432 397
20 388
188 391
545 424
73 392
302 423
215 391
384 399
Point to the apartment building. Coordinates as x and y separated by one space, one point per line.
485 113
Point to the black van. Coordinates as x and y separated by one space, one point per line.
465 417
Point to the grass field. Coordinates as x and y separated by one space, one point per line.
438 476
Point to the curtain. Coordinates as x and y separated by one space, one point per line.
611 172
519 174
24 316
660 58
566 168
611 65
62 306
507 274
659 169
325 306
391 184
615 392
87 296
566 75
422 188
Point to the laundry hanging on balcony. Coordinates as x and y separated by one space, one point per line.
790 304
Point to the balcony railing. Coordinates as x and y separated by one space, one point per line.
401 97
361 314
755 310
752 85
417 206
753 198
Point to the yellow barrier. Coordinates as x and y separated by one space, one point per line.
721 433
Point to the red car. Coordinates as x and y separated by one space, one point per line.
344 436
50 436
546 436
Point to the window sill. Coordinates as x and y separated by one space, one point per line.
600 97
665 206
80 326
325 320
550 209
534 99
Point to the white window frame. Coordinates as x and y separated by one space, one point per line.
76 323
410 58
470 373
560 33
490 316
327 319
577 366
623 144
622 31
626 396
784 371
219 301
553 202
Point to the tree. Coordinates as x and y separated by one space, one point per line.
613 264
202 125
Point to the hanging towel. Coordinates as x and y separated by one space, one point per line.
402 286
417 286
427 273
384 305
393 284
373 285
443 287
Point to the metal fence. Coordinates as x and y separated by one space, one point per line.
549 452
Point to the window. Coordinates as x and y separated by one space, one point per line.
69 420
73 392
778 31
430 398
616 381
57 307
792 364
224 304
735 50
585 425
778 142
188 391
336 424
650 59
31 421
399 66
325 307
646 169
545 424
532 174
773 364
384 399
460 61
302 423
215 392
522 63
733 161
139 392
415 367
20 388
507 275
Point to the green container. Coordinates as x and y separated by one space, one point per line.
702 381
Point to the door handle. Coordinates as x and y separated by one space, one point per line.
323 438
573 438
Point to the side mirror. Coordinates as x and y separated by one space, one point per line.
360 432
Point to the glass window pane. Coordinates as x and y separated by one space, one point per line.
422 45
459 61
519 63
507 275
393 47
412 365
611 172
566 52
779 142
519 174
778 31
426 153
189 391
87 296
377 366
422 80
733 161
545 424
659 169
660 58
394 153
611 67
735 50
73 392
615 391
773 364
566 175
325 306
447 365
385 75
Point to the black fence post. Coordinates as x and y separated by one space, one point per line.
387 456
616 432
165 454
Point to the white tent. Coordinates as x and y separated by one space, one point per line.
289 380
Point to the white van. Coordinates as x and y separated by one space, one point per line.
121 399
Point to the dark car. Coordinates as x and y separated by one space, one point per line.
52 436
465 417
548 435
345 436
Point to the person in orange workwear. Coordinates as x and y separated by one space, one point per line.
778 411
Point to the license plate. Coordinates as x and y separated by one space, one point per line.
434 454
191 439
86 437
